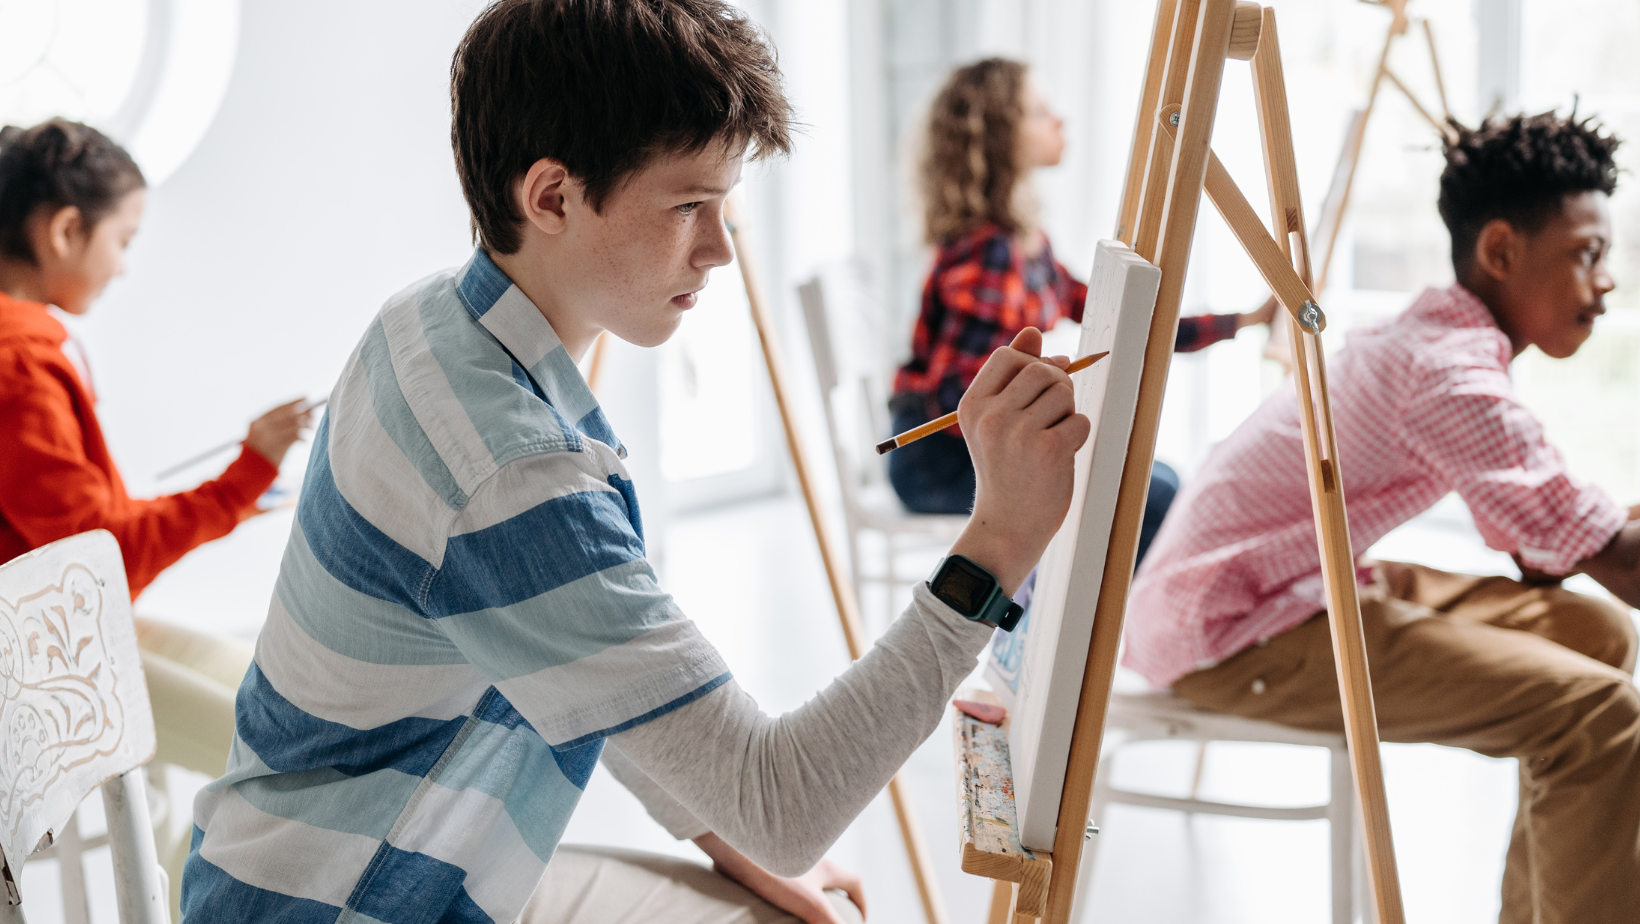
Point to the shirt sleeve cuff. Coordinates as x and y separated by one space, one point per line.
1223 327
939 611
248 477
1587 539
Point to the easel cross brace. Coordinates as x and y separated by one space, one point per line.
1170 166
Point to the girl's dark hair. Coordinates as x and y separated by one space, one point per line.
970 167
1519 169
602 86
54 165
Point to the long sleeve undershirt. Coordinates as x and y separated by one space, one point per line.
782 790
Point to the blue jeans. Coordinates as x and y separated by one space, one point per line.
936 475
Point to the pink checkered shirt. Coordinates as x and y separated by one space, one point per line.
1423 405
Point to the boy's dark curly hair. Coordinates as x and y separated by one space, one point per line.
1519 169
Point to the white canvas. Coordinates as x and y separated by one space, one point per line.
1048 683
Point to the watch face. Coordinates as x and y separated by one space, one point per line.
963 586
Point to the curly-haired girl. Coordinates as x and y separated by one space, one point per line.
994 275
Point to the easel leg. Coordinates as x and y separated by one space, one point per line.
1002 901
1326 492
842 590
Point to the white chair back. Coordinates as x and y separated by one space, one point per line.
74 715
845 326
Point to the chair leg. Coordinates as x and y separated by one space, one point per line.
139 886
71 872
1201 766
854 568
1341 821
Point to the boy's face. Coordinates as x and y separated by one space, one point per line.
1552 287
635 268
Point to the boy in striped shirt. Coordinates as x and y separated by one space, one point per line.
464 621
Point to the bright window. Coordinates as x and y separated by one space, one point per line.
150 73
1590 404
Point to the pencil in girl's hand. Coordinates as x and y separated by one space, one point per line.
940 423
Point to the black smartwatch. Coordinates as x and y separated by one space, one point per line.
975 593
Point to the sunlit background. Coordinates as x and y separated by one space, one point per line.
300 172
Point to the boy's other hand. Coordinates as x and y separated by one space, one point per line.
1023 431
803 896
272 434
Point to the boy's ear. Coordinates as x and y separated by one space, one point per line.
541 194
1498 248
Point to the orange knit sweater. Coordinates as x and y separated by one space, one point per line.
57 478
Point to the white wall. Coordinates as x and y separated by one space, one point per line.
324 185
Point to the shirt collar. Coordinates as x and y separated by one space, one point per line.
1467 309
501 308
1457 307
25 320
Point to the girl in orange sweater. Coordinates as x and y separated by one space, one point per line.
70 201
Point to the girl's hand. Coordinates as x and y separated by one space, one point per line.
272 434
1263 314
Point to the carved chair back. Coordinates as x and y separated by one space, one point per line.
74 715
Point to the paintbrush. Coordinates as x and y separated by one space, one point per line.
934 426
216 450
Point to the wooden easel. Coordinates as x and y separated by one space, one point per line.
595 368
1337 201
1338 192
1170 165
842 592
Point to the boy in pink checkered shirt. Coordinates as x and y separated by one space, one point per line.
1228 608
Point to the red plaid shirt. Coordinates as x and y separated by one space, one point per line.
1422 405
981 293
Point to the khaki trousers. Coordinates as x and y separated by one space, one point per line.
1502 668
192 681
607 885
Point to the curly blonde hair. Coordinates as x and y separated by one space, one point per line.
970 169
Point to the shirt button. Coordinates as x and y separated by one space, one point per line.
1258 685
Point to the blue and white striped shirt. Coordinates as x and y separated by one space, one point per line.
463 614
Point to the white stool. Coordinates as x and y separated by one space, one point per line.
1159 715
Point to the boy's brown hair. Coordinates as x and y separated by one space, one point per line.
970 169
602 86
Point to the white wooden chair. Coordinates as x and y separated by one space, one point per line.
1156 715
845 326
74 715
